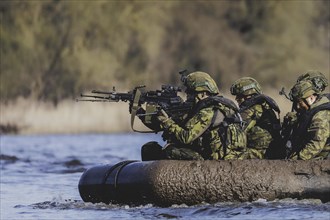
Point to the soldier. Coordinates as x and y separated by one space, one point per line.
310 133
261 114
197 137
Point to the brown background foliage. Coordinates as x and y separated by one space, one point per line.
53 50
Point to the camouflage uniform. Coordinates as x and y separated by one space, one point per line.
196 137
193 138
258 138
259 113
202 132
233 136
311 132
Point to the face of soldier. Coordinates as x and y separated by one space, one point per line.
200 96
311 99
301 106
304 105
239 99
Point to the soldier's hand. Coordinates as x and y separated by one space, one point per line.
140 110
163 116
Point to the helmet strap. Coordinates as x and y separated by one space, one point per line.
307 103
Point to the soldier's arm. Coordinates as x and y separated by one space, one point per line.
251 115
318 132
195 127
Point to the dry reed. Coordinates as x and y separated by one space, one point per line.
33 117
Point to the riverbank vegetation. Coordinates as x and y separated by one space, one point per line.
26 116
51 51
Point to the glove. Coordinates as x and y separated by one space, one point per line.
140 110
163 116
290 118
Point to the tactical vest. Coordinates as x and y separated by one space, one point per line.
230 128
301 131
268 120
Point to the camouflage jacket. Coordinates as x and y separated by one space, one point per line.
194 133
313 141
260 120
200 131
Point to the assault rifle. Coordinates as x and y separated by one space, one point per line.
166 98
288 125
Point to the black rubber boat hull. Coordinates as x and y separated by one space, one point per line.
169 182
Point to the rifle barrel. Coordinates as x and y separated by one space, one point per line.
93 100
102 92
93 96
145 114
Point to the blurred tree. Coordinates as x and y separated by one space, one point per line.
52 50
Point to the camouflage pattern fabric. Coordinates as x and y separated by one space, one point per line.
200 136
245 86
195 136
258 139
316 138
318 80
176 153
200 82
236 140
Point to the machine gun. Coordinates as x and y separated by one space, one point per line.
166 98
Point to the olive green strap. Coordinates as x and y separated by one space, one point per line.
135 107
250 125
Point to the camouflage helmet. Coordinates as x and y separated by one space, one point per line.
245 86
200 82
318 80
301 90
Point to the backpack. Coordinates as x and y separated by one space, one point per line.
270 122
230 128
300 131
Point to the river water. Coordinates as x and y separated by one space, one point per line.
40 175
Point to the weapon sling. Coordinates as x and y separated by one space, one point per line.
135 107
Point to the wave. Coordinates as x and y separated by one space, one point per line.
260 209
8 158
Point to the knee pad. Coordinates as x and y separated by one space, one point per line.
151 151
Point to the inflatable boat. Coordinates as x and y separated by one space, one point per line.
168 182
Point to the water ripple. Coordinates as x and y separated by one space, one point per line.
8 158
